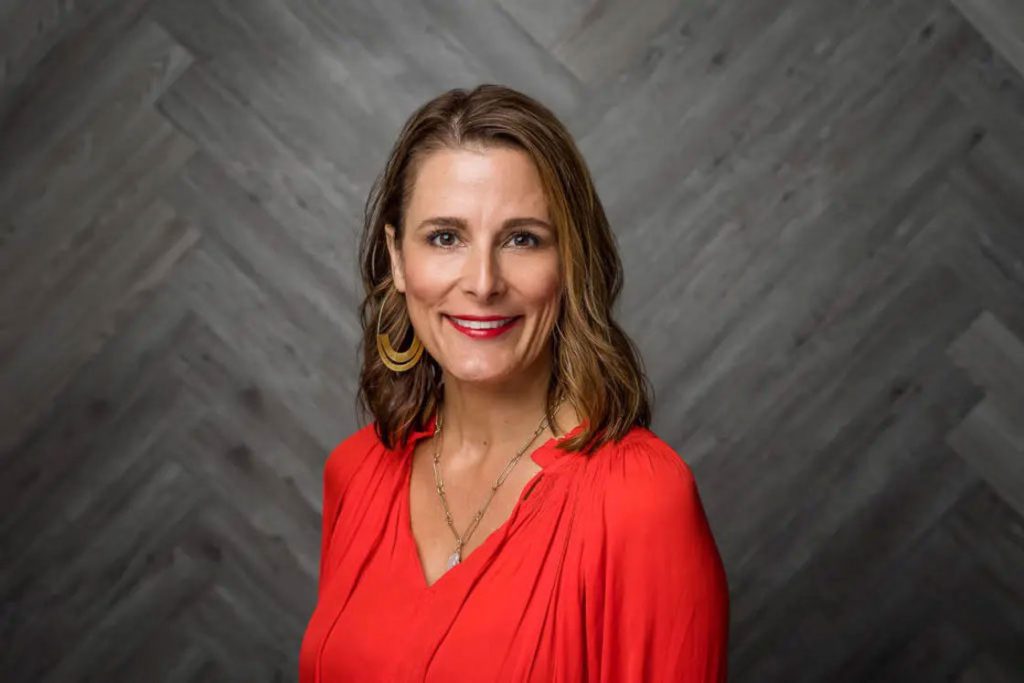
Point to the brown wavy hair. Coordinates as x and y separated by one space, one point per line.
597 368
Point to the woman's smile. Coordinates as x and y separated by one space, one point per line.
483 329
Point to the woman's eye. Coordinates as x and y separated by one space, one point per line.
440 233
527 235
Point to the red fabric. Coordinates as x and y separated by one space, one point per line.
606 572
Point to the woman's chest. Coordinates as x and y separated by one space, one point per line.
510 609
459 511
501 629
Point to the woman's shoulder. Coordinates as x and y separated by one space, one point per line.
358 442
641 456
349 454
641 479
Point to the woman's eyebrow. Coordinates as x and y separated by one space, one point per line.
460 223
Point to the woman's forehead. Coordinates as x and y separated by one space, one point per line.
474 177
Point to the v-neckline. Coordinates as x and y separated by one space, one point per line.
544 455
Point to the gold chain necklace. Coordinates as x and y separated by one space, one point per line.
460 541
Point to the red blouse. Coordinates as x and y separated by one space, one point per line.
606 570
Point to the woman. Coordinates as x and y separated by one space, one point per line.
508 515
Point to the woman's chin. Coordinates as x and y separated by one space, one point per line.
490 374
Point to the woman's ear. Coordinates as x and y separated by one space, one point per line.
397 272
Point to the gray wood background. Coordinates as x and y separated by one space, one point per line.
820 205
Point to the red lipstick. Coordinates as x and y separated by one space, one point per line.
488 332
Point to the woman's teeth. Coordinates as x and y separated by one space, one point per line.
482 324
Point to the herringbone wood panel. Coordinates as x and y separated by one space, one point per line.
819 206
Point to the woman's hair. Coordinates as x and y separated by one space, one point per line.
596 367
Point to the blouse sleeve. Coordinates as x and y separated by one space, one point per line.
657 596
336 475
331 504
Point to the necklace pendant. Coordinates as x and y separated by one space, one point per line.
454 559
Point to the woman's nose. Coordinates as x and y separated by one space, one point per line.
482 272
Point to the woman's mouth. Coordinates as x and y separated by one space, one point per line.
483 329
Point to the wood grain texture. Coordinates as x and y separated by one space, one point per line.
819 208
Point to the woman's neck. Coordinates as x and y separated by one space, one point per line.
483 422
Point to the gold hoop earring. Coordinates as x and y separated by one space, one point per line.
399 361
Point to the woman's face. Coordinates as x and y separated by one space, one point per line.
478 242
